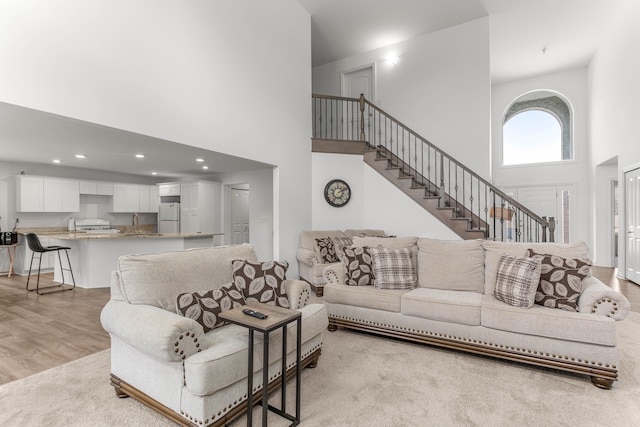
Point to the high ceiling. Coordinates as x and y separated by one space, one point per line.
568 31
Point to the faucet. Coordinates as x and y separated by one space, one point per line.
134 221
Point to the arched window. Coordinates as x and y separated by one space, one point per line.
537 129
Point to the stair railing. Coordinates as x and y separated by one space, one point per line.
441 176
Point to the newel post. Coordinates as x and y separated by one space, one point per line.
552 228
361 102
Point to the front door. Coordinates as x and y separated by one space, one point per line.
632 202
543 201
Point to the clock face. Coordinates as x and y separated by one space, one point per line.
337 193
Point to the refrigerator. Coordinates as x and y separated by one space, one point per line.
169 218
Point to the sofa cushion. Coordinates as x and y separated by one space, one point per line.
324 246
560 280
517 280
339 243
460 307
364 233
262 281
456 265
385 242
308 238
493 251
156 279
224 360
205 306
364 296
393 268
548 322
357 261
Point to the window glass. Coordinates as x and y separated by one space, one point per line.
532 136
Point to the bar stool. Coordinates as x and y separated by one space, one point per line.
37 248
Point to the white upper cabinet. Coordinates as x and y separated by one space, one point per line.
96 188
169 189
47 194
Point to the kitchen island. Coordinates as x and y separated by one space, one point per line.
94 256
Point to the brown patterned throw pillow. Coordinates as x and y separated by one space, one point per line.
261 281
393 268
560 280
339 243
324 245
357 261
205 306
517 280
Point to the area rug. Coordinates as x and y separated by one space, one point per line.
363 380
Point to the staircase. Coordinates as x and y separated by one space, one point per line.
462 200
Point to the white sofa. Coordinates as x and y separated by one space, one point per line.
167 362
310 261
454 306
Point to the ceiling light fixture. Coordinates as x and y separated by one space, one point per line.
199 160
81 156
56 160
154 173
140 156
205 167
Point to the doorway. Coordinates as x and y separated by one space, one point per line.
239 197
359 81
632 225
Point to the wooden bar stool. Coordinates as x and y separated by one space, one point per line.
37 248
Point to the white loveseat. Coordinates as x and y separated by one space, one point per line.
454 306
167 362
311 262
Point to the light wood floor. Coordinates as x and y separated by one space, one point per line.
42 332
38 332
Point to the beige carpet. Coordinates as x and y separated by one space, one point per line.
363 380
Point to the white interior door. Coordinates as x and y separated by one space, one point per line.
239 216
543 201
354 83
632 202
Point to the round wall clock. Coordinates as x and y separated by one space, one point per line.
337 193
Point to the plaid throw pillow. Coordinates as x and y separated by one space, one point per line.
560 280
393 268
339 243
517 280
324 245
358 264
261 281
205 306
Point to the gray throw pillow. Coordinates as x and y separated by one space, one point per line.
517 280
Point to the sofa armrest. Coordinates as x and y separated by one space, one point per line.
600 299
335 273
308 257
298 292
152 330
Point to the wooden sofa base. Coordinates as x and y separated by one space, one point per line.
123 389
601 377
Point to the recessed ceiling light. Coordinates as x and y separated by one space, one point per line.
140 156
56 160
81 156
199 160
205 167
154 173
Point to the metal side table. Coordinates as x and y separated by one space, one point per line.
277 317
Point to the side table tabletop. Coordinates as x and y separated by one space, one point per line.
277 317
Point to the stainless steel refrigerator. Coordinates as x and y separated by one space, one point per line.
169 218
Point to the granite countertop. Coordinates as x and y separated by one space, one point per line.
64 234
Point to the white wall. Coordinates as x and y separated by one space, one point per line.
375 203
572 85
440 88
614 90
233 77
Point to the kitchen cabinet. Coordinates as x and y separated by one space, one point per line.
47 194
169 189
135 198
96 188
199 206
29 193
